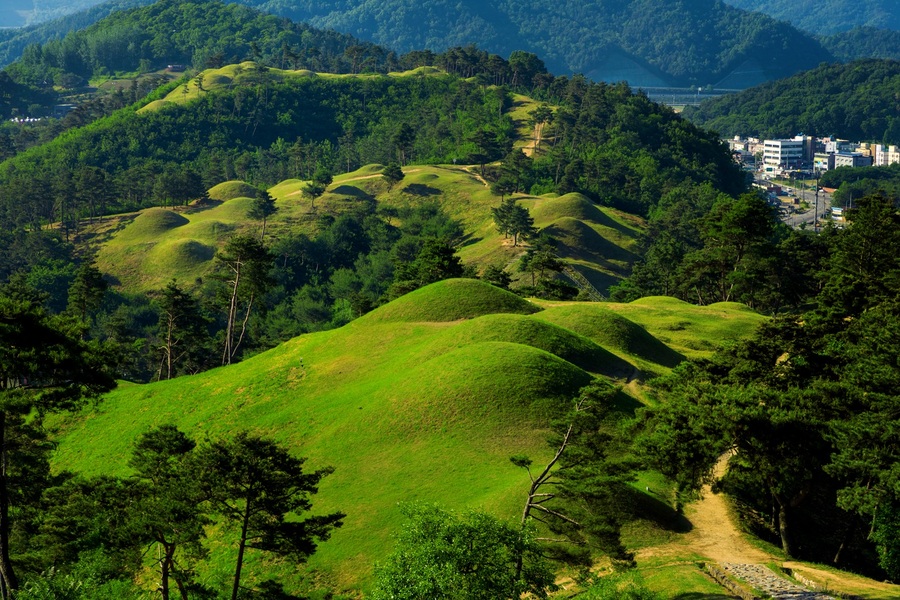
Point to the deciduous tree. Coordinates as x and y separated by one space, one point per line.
469 556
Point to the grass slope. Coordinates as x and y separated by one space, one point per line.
598 241
230 75
143 251
404 403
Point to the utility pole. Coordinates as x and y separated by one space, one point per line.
816 222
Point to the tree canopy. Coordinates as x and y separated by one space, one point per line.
807 405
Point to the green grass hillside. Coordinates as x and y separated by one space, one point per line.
236 74
405 403
595 240
143 251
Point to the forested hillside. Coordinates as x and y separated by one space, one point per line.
14 40
394 267
863 42
263 125
855 183
17 13
827 17
200 33
856 101
808 407
648 42
582 37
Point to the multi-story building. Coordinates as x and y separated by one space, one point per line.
886 155
851 159
786 154
835 146
823 161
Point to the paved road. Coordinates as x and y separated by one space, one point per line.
792 217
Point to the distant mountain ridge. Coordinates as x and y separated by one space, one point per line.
830 17
645 42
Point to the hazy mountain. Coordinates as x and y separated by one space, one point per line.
645 42
829 17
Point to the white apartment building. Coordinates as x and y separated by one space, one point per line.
784 154
886 155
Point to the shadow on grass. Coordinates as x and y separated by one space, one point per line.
468 239
419 189
607 221
702 596
353 191
201 205
649 506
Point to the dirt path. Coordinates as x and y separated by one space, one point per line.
714 533
715 537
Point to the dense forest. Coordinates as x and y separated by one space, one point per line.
704 247
827 17
574 37
571 38
856 101
807 406
863 42
276 126
14 40
199 34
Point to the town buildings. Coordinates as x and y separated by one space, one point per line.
805 153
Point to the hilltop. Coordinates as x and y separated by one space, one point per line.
424 398
268 125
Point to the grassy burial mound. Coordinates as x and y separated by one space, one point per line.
228 190
598 241
452 300
612 330
405 403
159 243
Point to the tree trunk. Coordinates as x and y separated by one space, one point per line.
240 557
837 556
169 347
165 567
783 527
232 312
10 583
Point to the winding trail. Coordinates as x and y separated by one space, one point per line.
714 534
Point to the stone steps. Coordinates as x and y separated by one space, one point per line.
762 578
